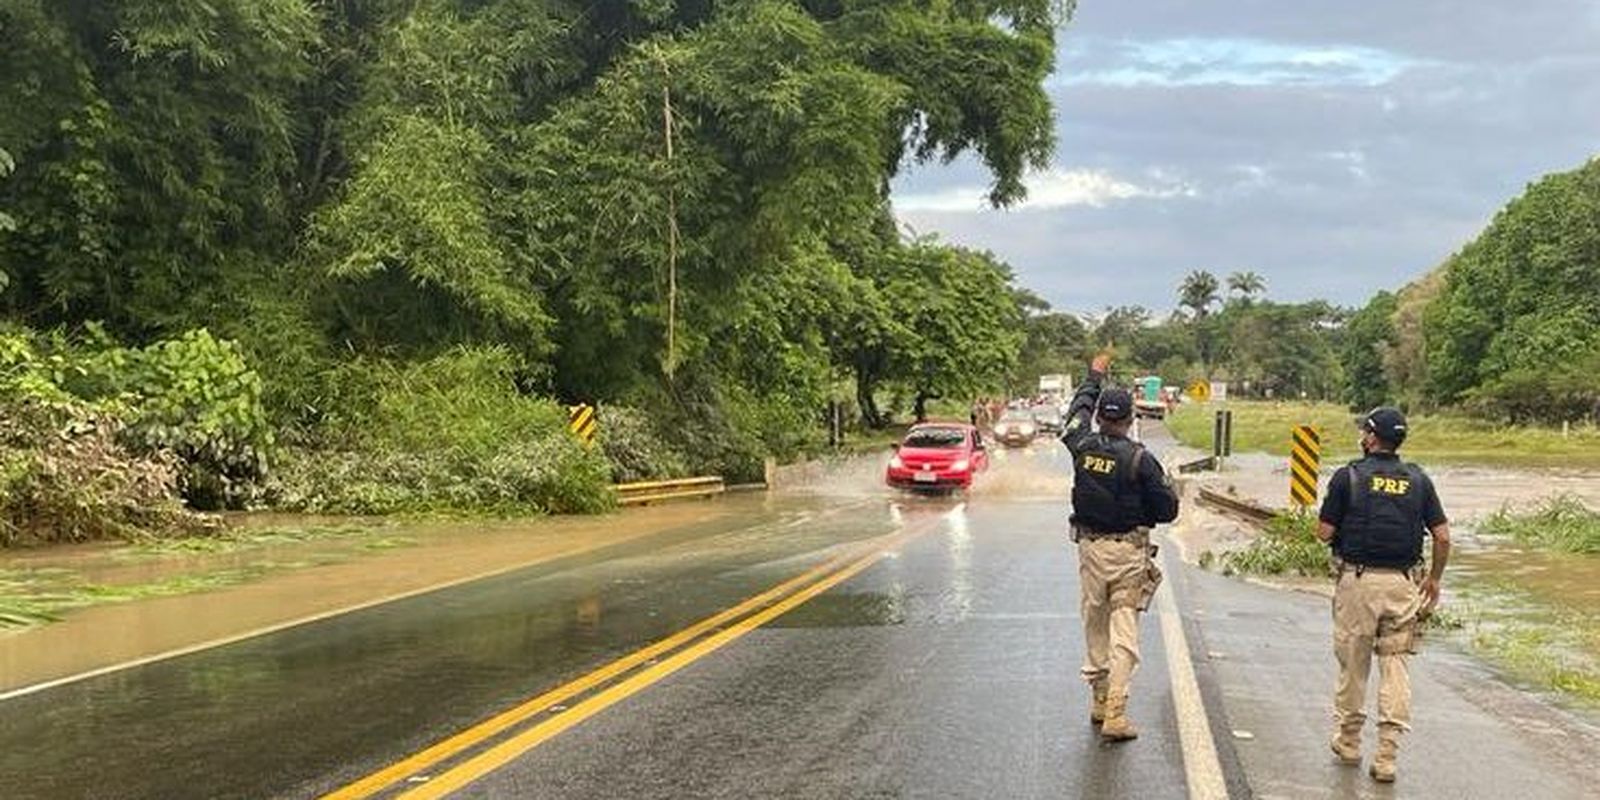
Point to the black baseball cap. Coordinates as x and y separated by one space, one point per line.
1115 405
1386 423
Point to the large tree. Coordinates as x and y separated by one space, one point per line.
1198 293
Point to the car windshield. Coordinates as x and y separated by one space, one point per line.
1046 413
936 437
1017 416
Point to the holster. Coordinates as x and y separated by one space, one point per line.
1152 578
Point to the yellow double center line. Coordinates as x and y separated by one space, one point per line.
704 637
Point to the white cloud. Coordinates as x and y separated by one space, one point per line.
1225 62
1056 188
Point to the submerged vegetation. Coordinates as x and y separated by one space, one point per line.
1544 643
1563 523
1288 546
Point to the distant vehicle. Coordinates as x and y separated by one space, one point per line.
937 457
1056 388
1048 418
1016 428
1148 401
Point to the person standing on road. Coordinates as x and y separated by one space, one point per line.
1376 513
1119 492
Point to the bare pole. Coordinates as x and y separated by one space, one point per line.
672 227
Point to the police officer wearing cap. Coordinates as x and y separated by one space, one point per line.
1119 492
1376 513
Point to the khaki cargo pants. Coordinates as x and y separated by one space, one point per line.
1375 612
1112 574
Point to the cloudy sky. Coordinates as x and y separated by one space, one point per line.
1337 148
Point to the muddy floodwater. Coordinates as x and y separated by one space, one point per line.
1534 612
1566 579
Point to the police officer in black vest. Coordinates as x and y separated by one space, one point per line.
1118 493
1376 514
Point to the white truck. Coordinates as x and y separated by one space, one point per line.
1058 388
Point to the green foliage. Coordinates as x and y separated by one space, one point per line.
196 398
1455 438
1519 308
452 432
1055 343
1288 546
1367 335
192 401
963 335
353 196
1198 293
633 444
1562 522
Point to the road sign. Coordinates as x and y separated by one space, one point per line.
1219 391
581 421
1305 457
1200 391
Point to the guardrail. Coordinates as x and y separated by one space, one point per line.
647 492
1243 508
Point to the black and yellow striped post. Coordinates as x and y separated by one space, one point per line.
581 421
1305 457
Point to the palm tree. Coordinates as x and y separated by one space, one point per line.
1198 292
1248 284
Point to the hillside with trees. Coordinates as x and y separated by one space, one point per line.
1509 327
353 256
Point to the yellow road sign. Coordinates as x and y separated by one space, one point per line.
1200 390
1305 457
581 421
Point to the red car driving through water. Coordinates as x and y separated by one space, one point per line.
938 456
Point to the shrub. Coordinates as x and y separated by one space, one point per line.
1289 545
195 396
637 452
65 475
450 433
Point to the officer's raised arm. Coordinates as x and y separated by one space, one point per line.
1081 411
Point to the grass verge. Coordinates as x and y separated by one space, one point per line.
1264 426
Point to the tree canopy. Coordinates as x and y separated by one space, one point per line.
626 195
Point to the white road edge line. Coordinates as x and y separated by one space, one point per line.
1201 766
22 691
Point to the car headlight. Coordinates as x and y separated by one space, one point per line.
961 466
896 463
1027 430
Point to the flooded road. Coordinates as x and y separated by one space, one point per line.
829 640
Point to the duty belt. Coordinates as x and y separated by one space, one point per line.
1360 569
1080 533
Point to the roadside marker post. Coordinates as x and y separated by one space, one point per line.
582 422
1222 434
1305 457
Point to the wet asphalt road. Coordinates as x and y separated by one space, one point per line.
948 669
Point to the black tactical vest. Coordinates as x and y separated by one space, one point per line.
1383 526
1105 486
